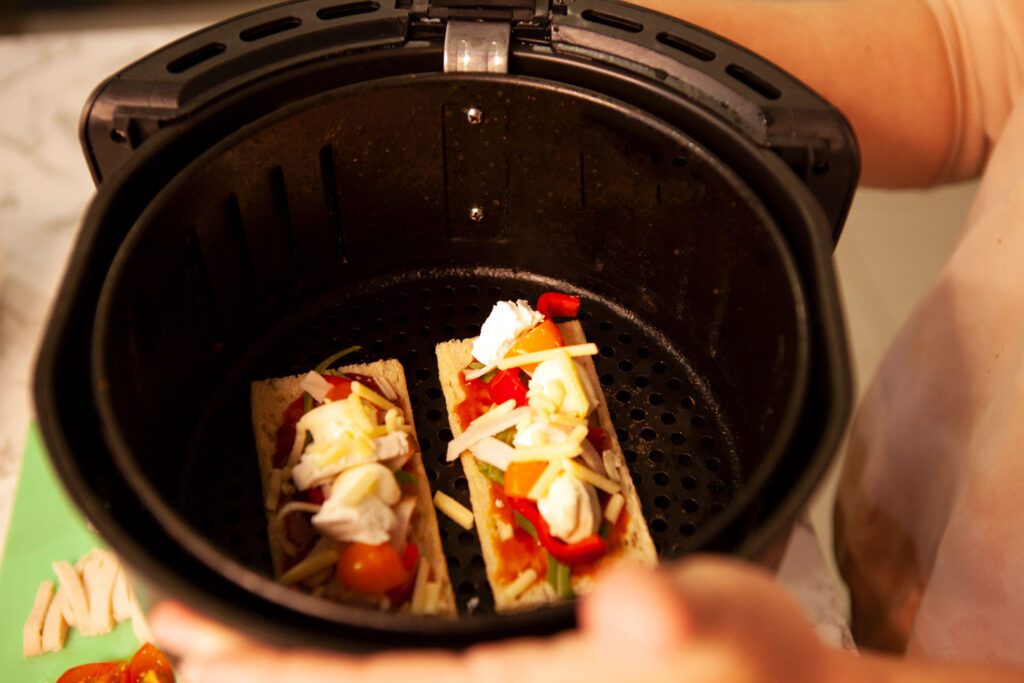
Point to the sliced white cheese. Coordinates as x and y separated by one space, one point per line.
551 451
589 476
454 509
588 349
477 431
521 583
100 590
314 384
366 393
493 452
70 580
385 387
65 606
31 634
614 508
121 597
55 627
311 564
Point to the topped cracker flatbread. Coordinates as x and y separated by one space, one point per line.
348 505
552 496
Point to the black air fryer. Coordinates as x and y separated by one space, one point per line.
315 175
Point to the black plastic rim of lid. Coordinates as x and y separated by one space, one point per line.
339 614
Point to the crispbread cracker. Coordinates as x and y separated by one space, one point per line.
269 400
637 546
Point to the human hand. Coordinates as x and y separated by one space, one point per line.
703 619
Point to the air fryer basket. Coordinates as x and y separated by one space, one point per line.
265 204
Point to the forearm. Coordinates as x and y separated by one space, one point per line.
848 667
882 63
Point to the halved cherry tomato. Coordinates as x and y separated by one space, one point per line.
99 672
556 304
340 389
521 476
542 337
371 568
506 385
149 665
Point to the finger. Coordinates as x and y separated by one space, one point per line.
181 631
639 611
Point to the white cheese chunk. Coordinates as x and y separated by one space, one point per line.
369 521
461 515
314 384
570 508
506 322
316 467
493 452
31 633
521 583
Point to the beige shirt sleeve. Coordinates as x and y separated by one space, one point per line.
985 41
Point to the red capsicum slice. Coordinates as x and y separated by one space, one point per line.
507 385
554 304
590 549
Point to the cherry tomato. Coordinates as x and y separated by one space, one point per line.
149 665
411 556
371 568
340 389
99 672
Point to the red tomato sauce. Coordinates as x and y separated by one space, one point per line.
519 553
477 402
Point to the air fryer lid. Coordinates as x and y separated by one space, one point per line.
263 254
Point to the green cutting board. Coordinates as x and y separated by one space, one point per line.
45 527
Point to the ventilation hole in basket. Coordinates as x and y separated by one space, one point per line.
753 81
473 309
422 374
607 351
453 562
605 326
713 464
434 393
636 414
447 310
466 538
621 435
625 365
426 293
434 415
641 381
449 329
689 482
494 292
445 435
660 478
625 338
197 56
690 506
655 455
425 444
461 484
431 474
584 316
685 460
659 367
642 352
622 396
661 502
707 443
674 384
473 329
613 21
655 399
687 403
698 421
631 456
648 434
659 525
668 419
423 332
399 337
716 486
687 529
270 28
444 533
466 588
716 508
477 562
347 10
683 45
607 380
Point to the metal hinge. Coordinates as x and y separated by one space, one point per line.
477 46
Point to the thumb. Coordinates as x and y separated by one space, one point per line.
639 611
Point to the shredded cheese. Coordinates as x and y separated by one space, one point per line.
522 582
31 634
588 349
315 385
591 477
416 602
614 508
458 512
310 565
549 451
366 393
431 596
543 483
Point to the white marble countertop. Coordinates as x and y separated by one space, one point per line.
45 185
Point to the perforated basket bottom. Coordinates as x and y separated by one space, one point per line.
678 447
